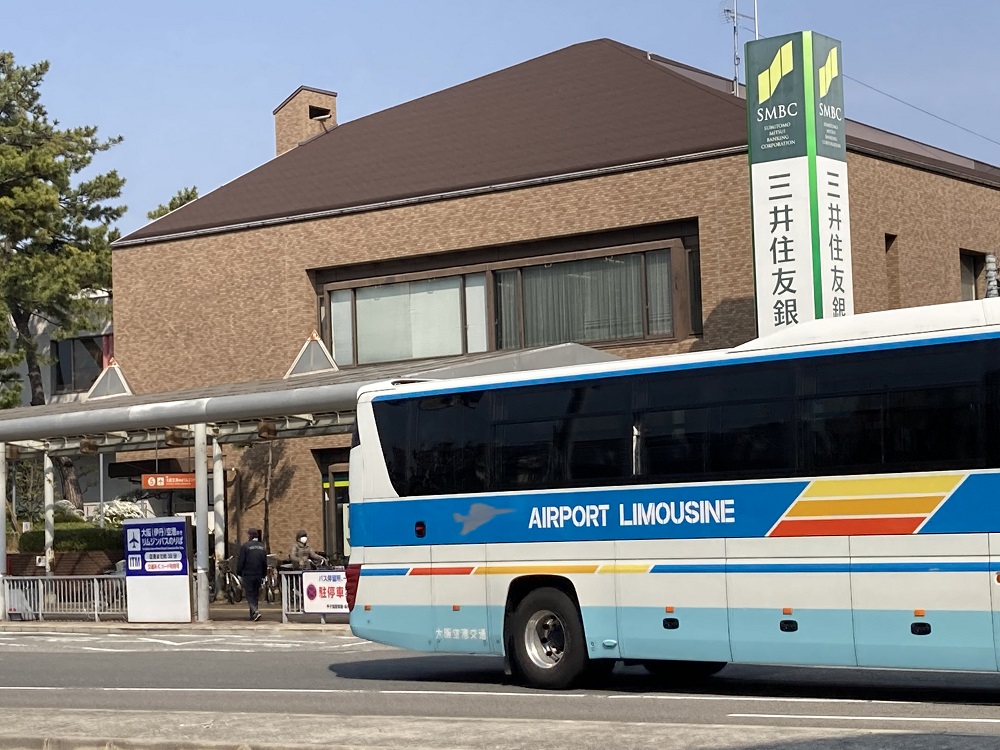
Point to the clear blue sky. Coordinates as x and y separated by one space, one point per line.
191 84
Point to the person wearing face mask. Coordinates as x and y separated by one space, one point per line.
302 555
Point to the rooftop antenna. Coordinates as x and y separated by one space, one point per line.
732 15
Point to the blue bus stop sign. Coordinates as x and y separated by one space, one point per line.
156 547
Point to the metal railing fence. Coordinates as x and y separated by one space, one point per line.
75 597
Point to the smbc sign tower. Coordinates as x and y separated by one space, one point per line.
798 180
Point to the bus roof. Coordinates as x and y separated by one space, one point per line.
932 322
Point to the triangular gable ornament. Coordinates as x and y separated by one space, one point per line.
312 358
109 384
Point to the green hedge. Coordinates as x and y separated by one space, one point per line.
80 537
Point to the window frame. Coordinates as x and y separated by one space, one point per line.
680 292
107 352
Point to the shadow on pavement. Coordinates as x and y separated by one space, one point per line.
449 668
735 680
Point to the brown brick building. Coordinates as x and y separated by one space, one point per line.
597 194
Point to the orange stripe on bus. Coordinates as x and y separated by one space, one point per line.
874 506
441 571
848 526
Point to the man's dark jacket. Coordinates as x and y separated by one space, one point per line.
252 562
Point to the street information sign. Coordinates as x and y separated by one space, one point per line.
324 591
157 570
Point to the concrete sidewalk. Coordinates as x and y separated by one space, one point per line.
226 619
74 729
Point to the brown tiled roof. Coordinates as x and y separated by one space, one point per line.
592 105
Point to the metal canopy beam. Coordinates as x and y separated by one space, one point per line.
319 399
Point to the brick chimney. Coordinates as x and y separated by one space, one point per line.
305 114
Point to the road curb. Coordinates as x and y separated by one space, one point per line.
181 628
101 743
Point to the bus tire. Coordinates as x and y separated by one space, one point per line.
549 650
683 671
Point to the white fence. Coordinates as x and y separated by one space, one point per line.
69 597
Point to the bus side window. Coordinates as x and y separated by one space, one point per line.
674 444
935 428
755 440
842 434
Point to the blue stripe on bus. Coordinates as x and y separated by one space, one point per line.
365 571
736 359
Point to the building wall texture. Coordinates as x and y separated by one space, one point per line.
237 306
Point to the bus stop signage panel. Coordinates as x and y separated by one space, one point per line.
157 569
156 548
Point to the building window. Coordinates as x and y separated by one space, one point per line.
597 295
409 320
78 362
972 268
596 299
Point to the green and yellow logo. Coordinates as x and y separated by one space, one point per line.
781 65
827 72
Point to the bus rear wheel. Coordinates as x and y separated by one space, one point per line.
683 671
549 650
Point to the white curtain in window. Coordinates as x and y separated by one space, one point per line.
584 300
410 320
343 327
507 310
475 312
659 282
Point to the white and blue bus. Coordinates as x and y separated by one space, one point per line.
829 495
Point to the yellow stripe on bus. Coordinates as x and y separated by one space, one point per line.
872 486
491 570
624 568
869 506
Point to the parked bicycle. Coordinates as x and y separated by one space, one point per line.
271 585
231 586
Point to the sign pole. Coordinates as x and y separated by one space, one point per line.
49 494
201 518
3 529
219 502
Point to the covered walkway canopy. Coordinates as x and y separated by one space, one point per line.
321 403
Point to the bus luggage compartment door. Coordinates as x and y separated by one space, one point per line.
923 601
790 600
672 599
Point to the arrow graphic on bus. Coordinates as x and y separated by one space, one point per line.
479 514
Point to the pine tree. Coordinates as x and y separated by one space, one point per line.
184 195
55 228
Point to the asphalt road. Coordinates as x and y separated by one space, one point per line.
309 688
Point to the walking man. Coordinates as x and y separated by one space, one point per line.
251 567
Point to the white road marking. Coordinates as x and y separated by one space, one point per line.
939 719
749 699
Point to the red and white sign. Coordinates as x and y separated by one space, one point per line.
163 567
168 481
324 592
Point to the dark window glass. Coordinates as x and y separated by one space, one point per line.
564 435
755 440
714 385
78 362
935 429
438 444
842 434
63 366
674 444
527 454
567 452
392 420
